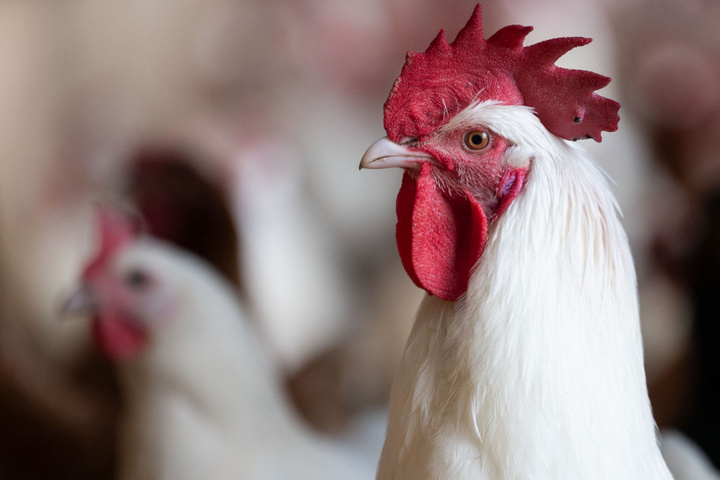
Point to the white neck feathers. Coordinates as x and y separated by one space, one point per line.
538 371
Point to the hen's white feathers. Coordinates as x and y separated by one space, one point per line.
203 398
685 459
537 371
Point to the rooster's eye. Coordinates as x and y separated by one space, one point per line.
477 140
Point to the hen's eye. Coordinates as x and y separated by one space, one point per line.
477 139
136 279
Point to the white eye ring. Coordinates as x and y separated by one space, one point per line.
476 140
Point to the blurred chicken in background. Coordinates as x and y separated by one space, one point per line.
202 396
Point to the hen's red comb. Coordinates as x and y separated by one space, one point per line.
436 84
117 230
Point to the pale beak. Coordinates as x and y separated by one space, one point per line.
386 154
82 301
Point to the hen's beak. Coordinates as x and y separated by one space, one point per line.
385 154
82 301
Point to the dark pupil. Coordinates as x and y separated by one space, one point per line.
476 139
136 279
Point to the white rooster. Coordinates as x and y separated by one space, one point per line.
202 399
525 360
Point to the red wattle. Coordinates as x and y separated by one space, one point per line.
118 338
439 238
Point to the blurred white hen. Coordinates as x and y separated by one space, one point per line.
202 395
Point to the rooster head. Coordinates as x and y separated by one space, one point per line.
460 174
120 294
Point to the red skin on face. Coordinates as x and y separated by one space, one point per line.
115 331
118 336
442 223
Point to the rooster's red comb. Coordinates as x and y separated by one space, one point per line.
436 84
